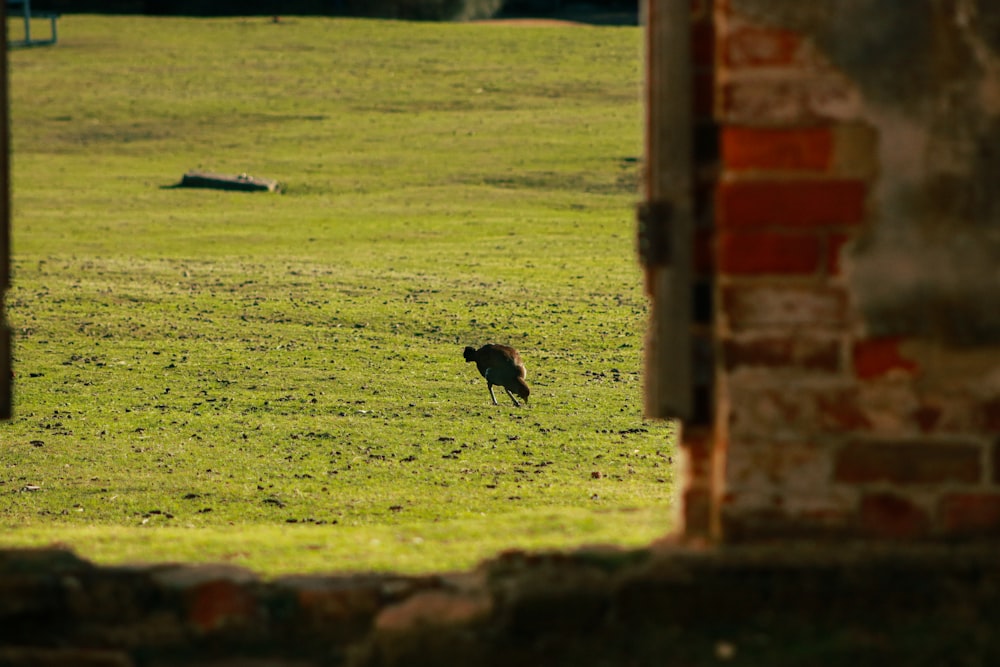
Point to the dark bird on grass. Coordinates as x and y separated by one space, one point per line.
502 366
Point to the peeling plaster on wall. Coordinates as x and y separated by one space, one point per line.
929 72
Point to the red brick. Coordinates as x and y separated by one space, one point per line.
769 252
809 203
800 149
216 604
876 357
783 352
886 515
753 307
908 463
970 514
757 46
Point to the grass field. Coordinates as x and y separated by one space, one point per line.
277 380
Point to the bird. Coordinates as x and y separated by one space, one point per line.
500 365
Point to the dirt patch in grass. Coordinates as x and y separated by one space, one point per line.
529 22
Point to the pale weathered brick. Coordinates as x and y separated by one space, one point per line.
775 483
749 45
753 307
792 405
793 100
889 406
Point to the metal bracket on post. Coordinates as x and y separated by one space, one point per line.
669 340
654 229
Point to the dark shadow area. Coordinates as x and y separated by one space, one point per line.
787 604
597 12
622 13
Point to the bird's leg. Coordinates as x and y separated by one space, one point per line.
490 387
516 404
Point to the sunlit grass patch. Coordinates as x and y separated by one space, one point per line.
277 380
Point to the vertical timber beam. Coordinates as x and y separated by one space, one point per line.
6 373
665 217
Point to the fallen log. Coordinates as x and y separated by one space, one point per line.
241 182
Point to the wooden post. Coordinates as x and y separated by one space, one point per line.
6 375
665 218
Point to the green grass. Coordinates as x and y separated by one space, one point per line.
277 380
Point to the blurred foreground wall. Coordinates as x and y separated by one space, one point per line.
849 158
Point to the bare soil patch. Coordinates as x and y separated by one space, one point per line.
529 22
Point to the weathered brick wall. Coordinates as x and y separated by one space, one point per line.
857 260
790 605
